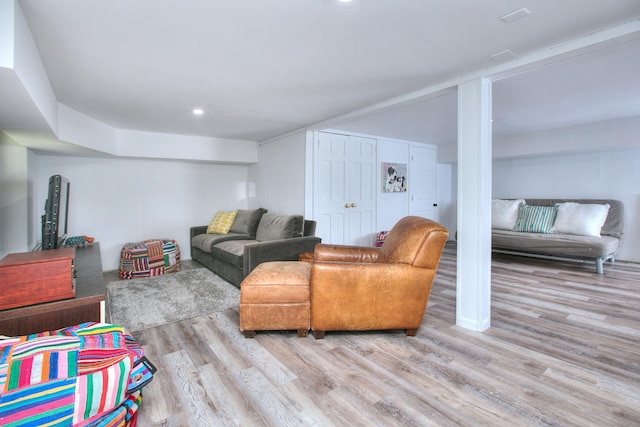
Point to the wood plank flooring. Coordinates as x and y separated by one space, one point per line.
563 350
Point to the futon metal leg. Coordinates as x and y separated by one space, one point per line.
599 268
318 335
249 334
303 332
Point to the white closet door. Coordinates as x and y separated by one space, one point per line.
361 196
344 189
422 182
330 190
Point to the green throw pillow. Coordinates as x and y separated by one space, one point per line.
535 219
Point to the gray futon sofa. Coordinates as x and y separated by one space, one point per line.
256 236
597 248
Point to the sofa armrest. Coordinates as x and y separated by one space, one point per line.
194 231
277 250
344 253
198 229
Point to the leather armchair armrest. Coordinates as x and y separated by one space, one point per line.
341 253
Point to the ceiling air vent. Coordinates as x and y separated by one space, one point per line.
516 14
503 56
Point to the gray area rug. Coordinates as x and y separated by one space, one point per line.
143 303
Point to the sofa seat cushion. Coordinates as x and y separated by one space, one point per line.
278 227
204 242
231 251
561 245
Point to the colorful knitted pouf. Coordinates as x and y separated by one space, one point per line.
149 258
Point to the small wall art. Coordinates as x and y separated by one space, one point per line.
394 177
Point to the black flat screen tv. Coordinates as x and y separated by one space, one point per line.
56 213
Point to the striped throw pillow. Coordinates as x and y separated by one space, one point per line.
535 219
222 222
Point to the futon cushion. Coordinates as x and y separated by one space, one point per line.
277 227
222 222
246 221
535 219
561 245
580 218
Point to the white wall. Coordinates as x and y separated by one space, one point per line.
594 160
277 181
120 200
14 207
596 175
280 174
446 199
391 206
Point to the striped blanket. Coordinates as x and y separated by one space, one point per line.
85 375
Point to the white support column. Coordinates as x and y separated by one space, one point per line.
473 303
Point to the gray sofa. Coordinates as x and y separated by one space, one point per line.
255 237
566 246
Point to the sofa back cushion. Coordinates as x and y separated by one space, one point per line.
277 227
247 221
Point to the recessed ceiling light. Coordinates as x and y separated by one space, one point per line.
198 111
339 2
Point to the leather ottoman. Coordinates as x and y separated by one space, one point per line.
149 258
275 296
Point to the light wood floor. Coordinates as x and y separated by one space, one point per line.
563 349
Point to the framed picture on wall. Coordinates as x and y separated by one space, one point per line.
394 177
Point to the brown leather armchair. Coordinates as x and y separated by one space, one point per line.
362 288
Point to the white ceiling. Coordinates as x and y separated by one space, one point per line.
595 84
260 69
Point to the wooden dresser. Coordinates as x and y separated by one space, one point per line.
87 305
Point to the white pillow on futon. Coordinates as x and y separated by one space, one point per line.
580 218
504 213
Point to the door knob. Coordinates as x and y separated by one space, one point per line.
346 205
353 205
